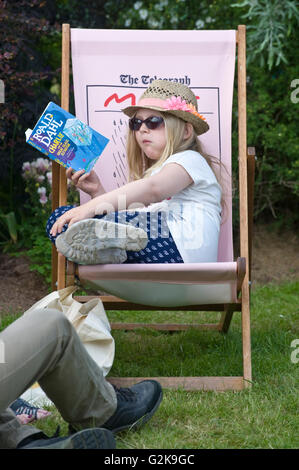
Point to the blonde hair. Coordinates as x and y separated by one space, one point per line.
140 166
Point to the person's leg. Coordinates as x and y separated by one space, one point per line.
52 219
11 430
87 242
161 247
43 346
95 241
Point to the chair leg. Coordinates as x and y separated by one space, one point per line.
225 320
54 268
61 272
70 273
246 342
250 184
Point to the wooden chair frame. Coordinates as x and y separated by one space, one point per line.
61 278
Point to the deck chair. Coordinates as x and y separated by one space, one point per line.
111 68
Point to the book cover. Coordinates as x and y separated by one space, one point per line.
66 140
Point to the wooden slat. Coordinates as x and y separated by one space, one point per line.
70 273
65 67
250 184
220 384
65 85
55 203
61 272
243 202
54 261
241 267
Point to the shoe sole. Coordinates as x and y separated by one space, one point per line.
141 421
97 241
87 439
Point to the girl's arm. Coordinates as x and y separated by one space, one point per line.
169 181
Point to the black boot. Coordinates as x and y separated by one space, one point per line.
135 405
95 438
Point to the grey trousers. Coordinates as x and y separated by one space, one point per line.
43 346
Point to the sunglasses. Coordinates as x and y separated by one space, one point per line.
152 122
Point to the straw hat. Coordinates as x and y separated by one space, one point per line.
173 98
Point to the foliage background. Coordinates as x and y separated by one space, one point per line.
30 42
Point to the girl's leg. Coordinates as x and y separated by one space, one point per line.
52 219
160 247
92 241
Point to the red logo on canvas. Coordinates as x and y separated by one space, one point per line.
120 100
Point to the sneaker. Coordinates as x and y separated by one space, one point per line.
95 438
26 413
135 406
98 241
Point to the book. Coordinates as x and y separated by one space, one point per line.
65 139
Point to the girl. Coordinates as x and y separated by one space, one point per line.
173 190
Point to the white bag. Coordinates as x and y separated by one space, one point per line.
92 325
89 320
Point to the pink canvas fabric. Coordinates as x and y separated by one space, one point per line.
111 70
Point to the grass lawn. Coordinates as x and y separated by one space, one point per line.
265 416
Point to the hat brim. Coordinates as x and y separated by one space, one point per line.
200 126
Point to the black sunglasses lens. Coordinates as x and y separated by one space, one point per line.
154 122
151 123
135 124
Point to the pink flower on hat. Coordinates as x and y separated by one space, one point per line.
176 103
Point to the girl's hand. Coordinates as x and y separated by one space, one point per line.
85 211
87 182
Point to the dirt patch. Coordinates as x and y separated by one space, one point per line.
275 259
19 287
274 256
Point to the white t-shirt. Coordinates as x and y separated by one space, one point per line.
194 214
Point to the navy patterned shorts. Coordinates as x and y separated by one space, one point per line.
161 247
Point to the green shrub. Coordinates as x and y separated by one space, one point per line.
37 177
